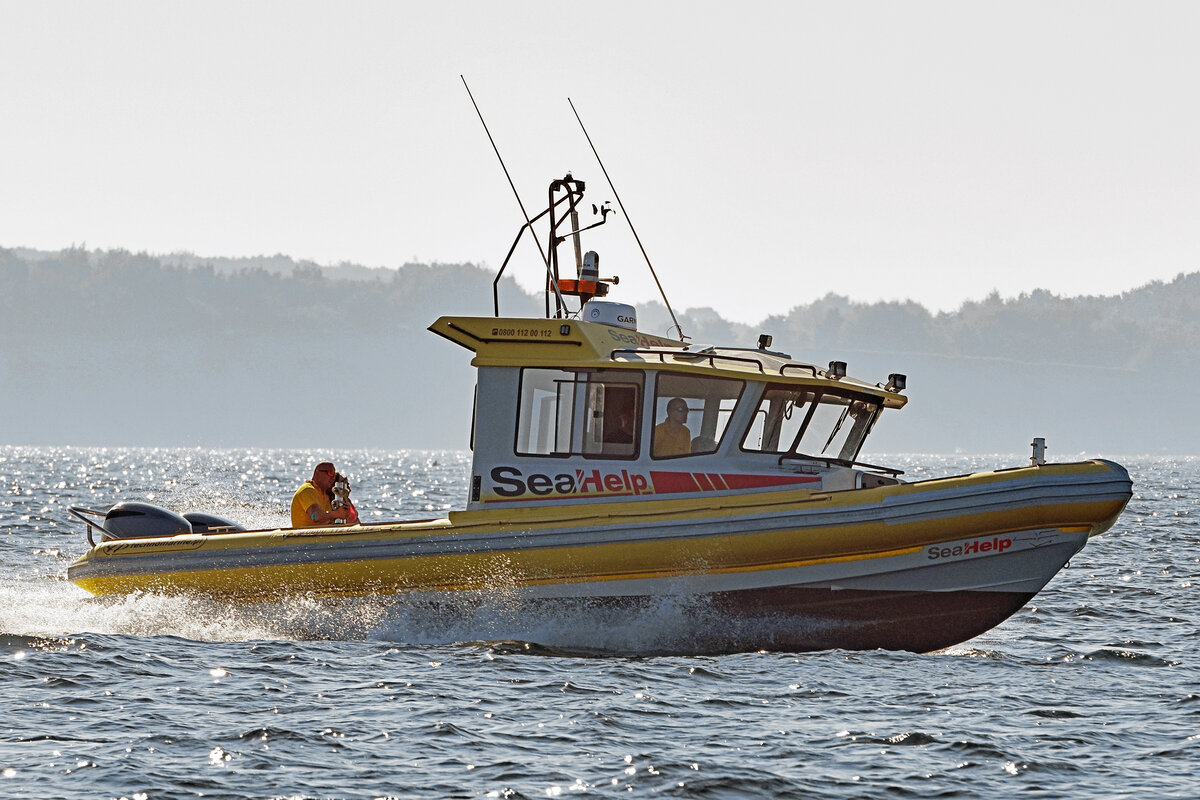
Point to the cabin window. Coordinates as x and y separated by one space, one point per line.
546 412
692 413
591 413
810 422
611 420
837 427
778 420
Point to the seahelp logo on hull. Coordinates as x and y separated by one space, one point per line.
996 544
510 482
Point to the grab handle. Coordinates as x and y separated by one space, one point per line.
79 512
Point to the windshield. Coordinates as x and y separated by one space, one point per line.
837 427
808 422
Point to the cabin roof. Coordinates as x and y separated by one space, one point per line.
523 341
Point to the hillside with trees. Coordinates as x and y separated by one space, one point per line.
119 348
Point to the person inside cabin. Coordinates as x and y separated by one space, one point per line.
671 436
624 431
620 421
312 504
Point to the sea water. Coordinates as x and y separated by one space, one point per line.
1092 690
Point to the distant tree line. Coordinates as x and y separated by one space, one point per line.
1158 322
114 347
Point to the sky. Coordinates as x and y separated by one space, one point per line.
768 153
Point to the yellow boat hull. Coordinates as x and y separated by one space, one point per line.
910 566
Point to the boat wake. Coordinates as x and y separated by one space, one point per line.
52 607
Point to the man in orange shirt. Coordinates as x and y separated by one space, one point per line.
313 502
671 436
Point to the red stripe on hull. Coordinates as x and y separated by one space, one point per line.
760 481
675 482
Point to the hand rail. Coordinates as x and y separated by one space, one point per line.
841 462
711 357
809 368
527 226
79 511
813 370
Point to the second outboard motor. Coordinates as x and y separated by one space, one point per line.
203 522
133 520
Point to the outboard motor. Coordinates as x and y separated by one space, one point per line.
131 519
210 523
134 520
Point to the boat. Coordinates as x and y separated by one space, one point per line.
614 468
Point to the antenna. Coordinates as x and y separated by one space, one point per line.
630 221
528 221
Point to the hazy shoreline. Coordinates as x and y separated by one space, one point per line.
110 348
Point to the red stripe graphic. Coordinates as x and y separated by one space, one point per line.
675 482
671 482
759 481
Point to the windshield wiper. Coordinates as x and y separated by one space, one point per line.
836 428
843 462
